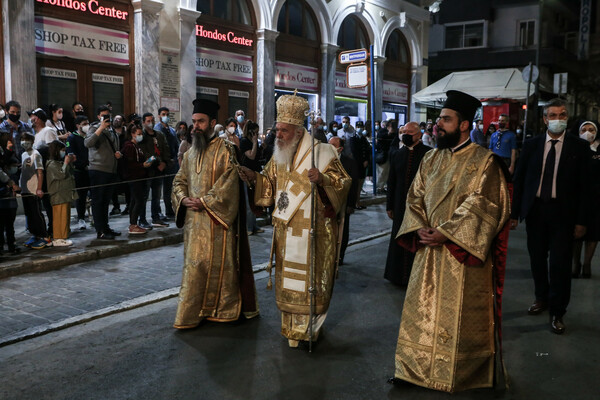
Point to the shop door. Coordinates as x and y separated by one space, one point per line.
230 97
57 84
108 86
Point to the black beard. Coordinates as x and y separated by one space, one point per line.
200 141
448 140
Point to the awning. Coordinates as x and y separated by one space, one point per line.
488 84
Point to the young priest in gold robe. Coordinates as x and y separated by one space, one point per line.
286 183
456 206
217 282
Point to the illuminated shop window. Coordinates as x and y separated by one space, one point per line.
296 19
232 10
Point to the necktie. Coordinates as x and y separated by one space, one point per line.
546 191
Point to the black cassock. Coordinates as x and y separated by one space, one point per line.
404 164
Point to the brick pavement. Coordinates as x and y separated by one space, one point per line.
34 300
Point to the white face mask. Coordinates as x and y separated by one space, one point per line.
480 127
139 138
2 114
557 126
85 129
231 130
587 135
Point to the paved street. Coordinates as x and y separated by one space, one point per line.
34 303
137 355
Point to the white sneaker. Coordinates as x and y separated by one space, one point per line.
62 242
82 225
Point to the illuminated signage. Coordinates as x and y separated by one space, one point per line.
394 92
295 76
216 64
91 6
223 36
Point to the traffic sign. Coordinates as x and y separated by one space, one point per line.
353 56
535 73
357 75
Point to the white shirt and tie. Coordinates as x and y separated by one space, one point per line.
558 148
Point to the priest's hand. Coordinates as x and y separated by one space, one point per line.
193 203
246 174
314 176
579 231
431 237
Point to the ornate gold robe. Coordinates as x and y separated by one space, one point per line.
446 340
291 241
217 281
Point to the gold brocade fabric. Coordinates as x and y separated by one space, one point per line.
291 240
210 282
446 338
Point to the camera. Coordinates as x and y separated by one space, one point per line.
109 119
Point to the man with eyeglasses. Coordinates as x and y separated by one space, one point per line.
504 143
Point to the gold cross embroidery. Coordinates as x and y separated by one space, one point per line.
471 168
299 223
444 336
300 183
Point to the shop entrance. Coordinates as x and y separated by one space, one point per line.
229 99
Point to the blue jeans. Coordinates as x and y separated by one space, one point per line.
101 197
156 185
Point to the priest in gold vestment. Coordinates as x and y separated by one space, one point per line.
286 183
456 206
217 282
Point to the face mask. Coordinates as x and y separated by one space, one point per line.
59 116
480 127
335 129
501 125
164 119
519 131
139 138
345 126
231 130
407 140
13 170
79 113
149 126
2 114
587 135
422 130
221 133
27 145
240 119
358 131
117 123
85 129
557 125
62 154
14 117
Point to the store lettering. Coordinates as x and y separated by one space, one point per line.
298 77
91 6
80 41
223 37
223 65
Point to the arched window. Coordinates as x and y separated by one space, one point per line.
396 49
296 19
352 34
232 10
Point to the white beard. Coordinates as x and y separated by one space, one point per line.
285 154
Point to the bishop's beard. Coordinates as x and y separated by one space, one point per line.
284 152
200 140
448 140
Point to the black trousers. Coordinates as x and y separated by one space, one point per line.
82 180
550 245
345 236
101 196
32 206
136 202
7 224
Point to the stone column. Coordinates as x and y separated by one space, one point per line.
146 30
379 62
187 91
265 77
20 77
418 81
328 64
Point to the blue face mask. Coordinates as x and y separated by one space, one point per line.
240 119
13 170
422 130
62 154
139 138
335 129
358 131
345 126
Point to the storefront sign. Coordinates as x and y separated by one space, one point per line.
102 78
341 89
295 76
217 64
90 6
395 92
90 43
239 93
169 81
58 73
227 36
585 17
207 91
357 75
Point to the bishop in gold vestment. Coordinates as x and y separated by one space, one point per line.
217 282
287 185
456 206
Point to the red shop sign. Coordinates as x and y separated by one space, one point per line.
229 36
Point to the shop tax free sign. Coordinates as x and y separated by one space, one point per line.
88 6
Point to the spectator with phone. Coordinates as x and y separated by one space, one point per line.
61 186
103 145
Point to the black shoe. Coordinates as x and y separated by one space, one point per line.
160 223
170 217
115 211
557 325
14 250
105 236
144 224
125 211
113 232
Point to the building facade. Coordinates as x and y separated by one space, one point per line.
142 54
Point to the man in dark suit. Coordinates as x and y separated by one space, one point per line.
351 168
550 194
